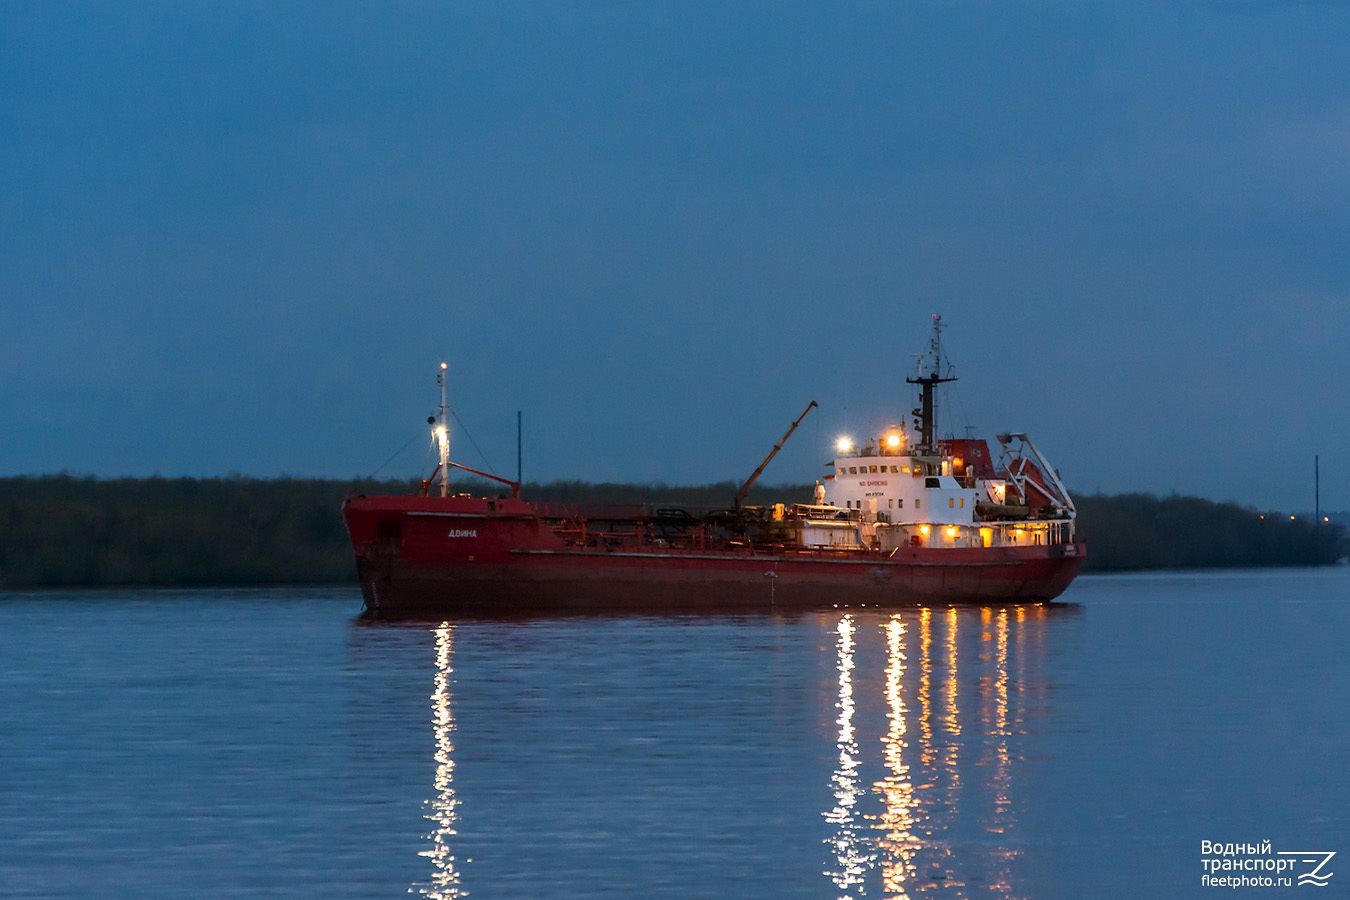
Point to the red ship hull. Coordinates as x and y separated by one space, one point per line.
431 556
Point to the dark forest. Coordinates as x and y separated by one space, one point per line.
64 530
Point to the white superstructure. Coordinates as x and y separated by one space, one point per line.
901 490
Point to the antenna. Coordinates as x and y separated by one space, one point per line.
935 345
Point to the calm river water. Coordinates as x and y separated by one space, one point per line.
269 743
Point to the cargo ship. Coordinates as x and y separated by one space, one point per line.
904 517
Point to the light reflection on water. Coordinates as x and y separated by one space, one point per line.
444 884
898 844
852 852
928 786
922 793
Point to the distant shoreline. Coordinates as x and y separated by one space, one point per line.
71 531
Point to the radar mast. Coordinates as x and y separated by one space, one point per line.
926 414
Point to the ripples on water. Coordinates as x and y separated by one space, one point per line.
263 743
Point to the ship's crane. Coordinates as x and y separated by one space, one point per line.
745 488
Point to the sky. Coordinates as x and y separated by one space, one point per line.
239 238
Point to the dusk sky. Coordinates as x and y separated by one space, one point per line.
240 237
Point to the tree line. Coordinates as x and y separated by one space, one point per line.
63 530
1141 531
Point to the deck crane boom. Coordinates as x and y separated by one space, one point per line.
745 488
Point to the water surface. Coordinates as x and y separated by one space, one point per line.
271 743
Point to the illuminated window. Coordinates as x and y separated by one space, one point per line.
918 503
951 503
873 469
904 469
963 502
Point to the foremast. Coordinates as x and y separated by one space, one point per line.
442 433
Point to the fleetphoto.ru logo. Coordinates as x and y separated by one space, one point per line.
1239 864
